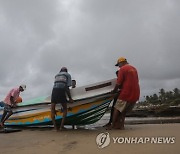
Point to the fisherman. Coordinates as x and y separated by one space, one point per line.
112 108
129 94
73 83
18 100
73 86
10 102
60 89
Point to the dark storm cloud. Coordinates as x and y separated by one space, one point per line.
38 37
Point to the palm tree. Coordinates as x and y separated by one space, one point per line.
162 97
176 92
169 96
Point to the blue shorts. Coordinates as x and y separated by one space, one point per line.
2 104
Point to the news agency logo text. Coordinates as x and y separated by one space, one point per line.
144 140
104 139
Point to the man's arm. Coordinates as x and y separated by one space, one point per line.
69 81
119 81
69 95
12 101
115 88
69 84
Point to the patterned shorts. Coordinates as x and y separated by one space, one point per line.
124 106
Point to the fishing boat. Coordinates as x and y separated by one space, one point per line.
90 104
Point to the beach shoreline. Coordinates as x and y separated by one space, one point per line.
45 140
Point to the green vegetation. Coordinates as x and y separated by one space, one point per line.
168 98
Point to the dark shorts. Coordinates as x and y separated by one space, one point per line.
7 108
58 95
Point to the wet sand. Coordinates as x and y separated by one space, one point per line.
83 141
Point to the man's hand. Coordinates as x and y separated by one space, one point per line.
113 91
71 100
14 105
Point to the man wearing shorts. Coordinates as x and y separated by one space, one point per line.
10 102
130 91
60 89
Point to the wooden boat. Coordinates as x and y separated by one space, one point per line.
90 104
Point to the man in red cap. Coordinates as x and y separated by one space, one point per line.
128 82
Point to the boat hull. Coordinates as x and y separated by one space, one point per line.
78 115
89 106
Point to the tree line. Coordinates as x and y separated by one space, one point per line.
163 97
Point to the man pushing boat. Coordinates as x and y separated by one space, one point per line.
129 82
60 89
10 102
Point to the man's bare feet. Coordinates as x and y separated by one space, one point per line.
1 126
115 127
107 125
62 128
121 128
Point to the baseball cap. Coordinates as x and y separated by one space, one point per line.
121 59
23 86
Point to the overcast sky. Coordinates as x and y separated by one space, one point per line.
38 37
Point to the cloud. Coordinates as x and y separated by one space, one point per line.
38 37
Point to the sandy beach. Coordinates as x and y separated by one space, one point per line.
82 141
